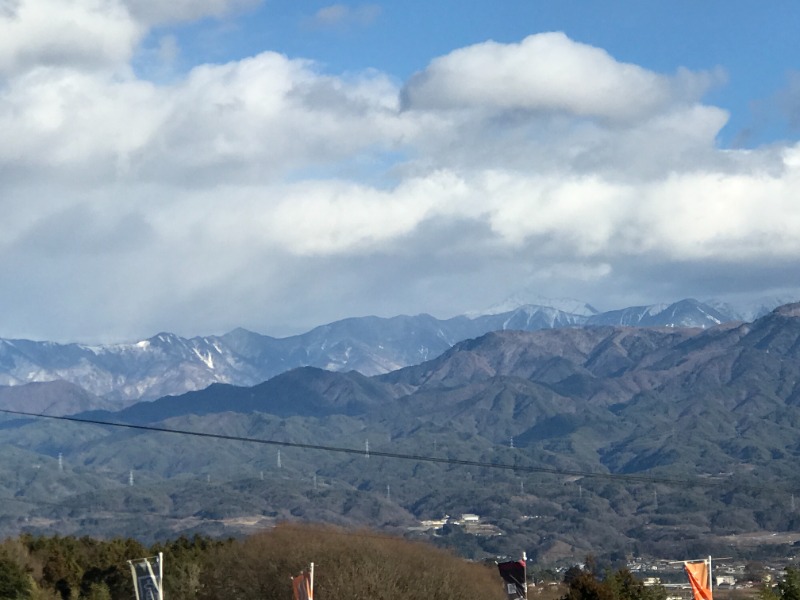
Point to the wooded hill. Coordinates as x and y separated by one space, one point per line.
350 565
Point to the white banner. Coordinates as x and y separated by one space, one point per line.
148 574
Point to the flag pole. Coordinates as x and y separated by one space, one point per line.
133 575
525 577
311 573
161 576
710 578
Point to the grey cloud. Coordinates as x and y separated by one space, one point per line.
79 230
158 12
9 8
341 15
649 278
788 99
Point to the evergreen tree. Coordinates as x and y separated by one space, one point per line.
14 581
584 584
789 586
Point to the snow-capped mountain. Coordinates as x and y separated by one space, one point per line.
523 298
167 364
686 313
750 309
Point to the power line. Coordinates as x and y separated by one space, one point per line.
321 530
99 512
393 455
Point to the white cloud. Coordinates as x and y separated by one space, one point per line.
259 118
729 217
330 218
253 119
551 73
242 187
88 34
76 124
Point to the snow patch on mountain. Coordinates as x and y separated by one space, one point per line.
750 309
525 299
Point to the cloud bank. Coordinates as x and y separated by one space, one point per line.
269 194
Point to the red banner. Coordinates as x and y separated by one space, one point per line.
513 574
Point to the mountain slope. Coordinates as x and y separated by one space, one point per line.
511 384
50 398
305 391
167 364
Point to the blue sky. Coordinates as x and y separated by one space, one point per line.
755 46
200 165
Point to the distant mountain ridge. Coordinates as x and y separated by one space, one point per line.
637 385
167 364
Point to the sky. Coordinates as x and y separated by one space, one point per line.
198 165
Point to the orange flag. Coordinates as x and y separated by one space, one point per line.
698 578
301 585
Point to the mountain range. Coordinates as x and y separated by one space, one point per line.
614 440
167 364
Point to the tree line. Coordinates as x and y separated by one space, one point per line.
349 565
